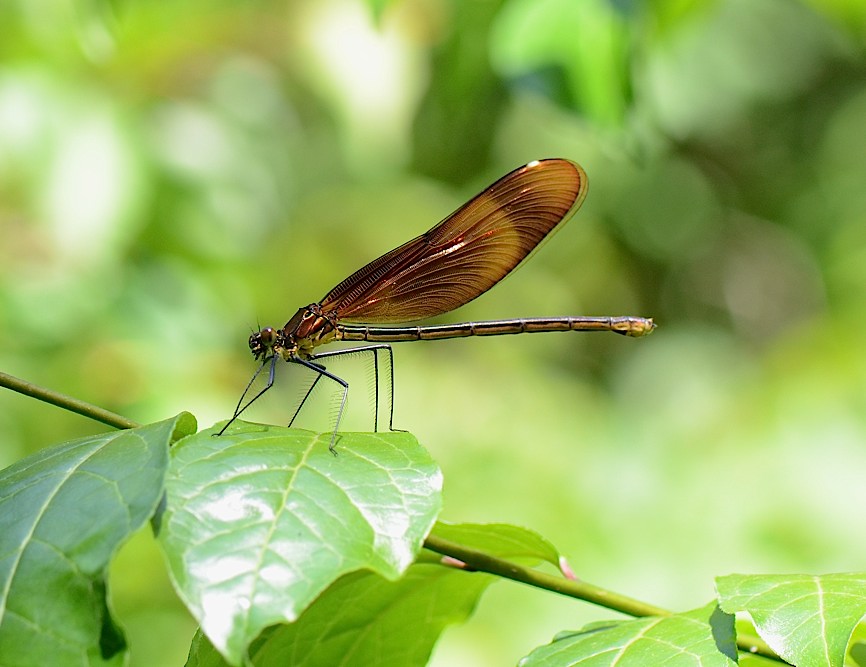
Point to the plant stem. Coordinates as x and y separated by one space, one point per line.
478 560
484 562
65 402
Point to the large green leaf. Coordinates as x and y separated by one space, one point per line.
806 619
362 619
699 638
259 522
63 513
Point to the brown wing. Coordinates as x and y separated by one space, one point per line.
467 253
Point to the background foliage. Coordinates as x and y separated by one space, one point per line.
173 174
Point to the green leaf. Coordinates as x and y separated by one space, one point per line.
858 654
63 513
703 637
259 522
501 540
806 619
363 618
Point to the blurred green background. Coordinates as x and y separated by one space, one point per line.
172 175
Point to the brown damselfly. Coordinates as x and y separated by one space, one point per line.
456 261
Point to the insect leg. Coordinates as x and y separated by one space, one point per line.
241 406
374 350
318 368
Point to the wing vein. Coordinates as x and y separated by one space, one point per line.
466 253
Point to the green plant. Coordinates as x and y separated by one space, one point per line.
285 554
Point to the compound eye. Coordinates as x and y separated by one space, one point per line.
261 342
267 336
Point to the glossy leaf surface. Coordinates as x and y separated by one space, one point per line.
259 522
366 620
63 513
700 638
806 619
